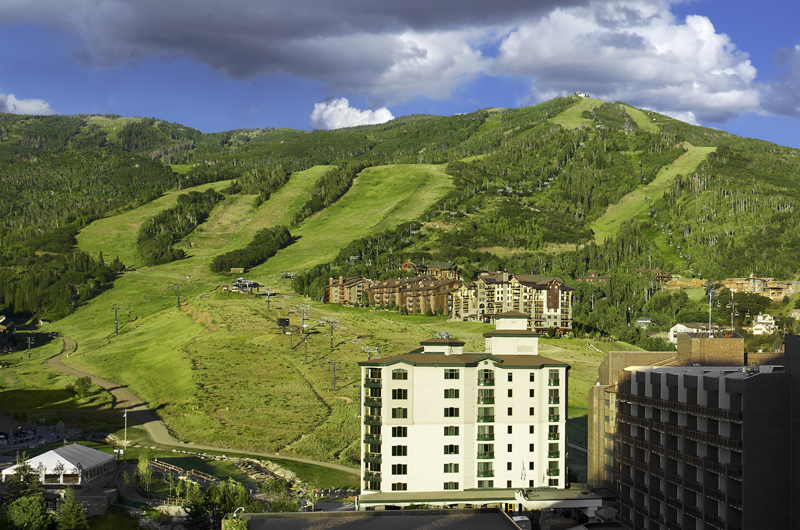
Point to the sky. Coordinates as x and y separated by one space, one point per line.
226 64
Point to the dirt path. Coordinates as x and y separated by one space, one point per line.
125 400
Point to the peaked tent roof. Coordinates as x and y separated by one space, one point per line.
70 456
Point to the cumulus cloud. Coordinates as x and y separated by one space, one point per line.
391 52
9 103
686 116
338 113
782 97
635 52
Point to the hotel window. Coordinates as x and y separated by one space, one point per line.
451 373
530 466
399 432
451 449
510 411
400 374
451 430
510 429
399 486
508 466
451 485
509 448
399 450
553 482
531 411
553 379
399 413
399 469
510 377
450 393
554 398
486 483
530 429
510 393
451 412
530 448
399 393
531 393
533 377
451 468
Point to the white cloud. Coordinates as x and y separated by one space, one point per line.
9 103
685 116
636 52
338 113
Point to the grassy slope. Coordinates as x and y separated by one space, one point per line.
214 370
571 118
635 203
642 120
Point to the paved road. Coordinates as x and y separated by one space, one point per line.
125 400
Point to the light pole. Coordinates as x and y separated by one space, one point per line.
116 323
334 363
31 340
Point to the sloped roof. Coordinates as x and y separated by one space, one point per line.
70 456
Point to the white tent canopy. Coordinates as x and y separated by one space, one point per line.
74 463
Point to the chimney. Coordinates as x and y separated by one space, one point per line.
330 281
341 280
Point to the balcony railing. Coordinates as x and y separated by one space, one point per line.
485 401
687 408
485 382
553 382
372 476
372 420
373 402
554 400
553 436
371 382
553 417
485 419
486 472
484 437
553 454
373 458
372 438
553 472
485 455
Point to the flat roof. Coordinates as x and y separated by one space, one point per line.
477 519
464 359
475 496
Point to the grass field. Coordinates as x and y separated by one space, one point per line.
635 203
641 119
572 119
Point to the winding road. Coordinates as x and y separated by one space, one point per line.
125 400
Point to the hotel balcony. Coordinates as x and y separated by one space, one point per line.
485 437
372 420
373 458
372 439
485 455
371 382
486 419
486 472
373 402
371 476
485 382
485 401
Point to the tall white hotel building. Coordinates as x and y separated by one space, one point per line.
465 428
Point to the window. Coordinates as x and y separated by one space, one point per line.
485 395
509 448
485 414
553 379
508 466
451 468
451 485
399 393
553 482
510 429
451 449
510 393
451 373
451 412
552 432
374 373
374 466
486 483
508 483
530 448
553 397
399 469
552 414
510 411
510 377
485 377
450 393
399 413
530 466
552 450
531 393
400 374
451 430
531 484
533 377
399 432
399 450
531 411
399 486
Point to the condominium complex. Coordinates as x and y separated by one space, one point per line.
769 287
439 419
417 295
347 290
699 439
545 300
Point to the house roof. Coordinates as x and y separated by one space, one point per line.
465 359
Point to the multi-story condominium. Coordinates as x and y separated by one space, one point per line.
769 287
546 300
439 419
437 269
699 439
416 294
347 290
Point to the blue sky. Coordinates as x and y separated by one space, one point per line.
218 65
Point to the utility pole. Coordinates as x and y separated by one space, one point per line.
179 295
31 340
334 363
116 323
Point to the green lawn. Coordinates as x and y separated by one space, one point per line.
634 204
572 119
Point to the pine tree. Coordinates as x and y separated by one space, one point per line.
72 515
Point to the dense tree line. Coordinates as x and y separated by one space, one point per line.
266 242
157 235
329 188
